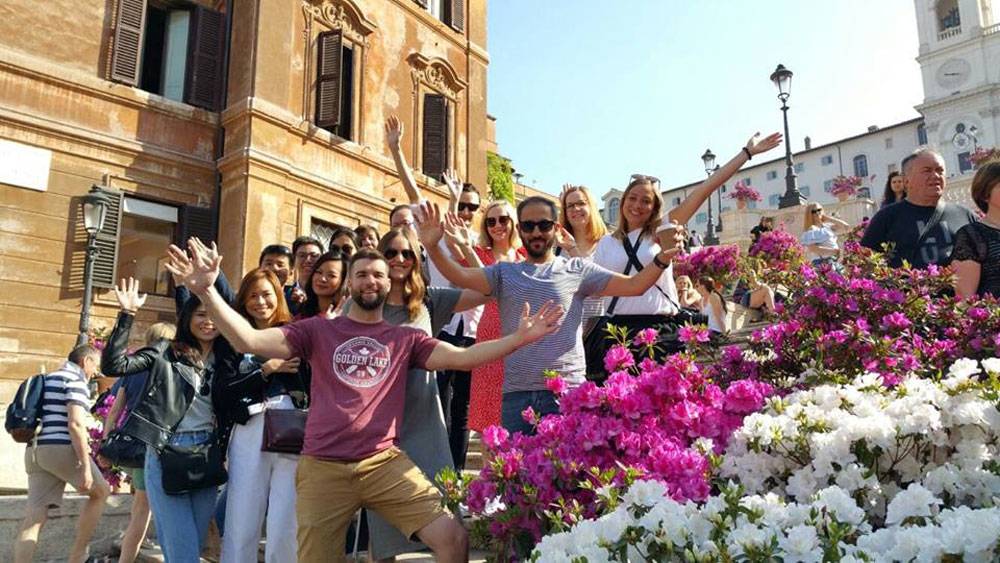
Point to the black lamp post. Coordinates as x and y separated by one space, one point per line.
95 209
975 139
718 193
710 237
782 79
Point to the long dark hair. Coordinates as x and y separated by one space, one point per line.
888 196
185 346
311 307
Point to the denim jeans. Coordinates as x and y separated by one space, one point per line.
543 403
181 520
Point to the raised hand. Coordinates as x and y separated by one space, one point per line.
535 327
455 230
454 185
198 272
127 292
430 227
756 145
565 240
393 132
334 311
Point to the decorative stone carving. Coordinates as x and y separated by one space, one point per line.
437 74
339 14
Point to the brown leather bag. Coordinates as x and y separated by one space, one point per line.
284 430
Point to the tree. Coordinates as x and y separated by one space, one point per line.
500 177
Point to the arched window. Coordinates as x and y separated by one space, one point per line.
921 134
613 207
861 166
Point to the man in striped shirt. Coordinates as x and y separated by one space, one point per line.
60 454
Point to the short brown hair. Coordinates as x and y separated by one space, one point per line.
983 184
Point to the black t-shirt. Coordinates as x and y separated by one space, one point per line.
980 243
900 224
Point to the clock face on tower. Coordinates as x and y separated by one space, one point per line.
953 73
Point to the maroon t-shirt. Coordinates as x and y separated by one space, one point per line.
358 382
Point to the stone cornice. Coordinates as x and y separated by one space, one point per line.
950 99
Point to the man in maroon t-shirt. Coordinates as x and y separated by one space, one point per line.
359 362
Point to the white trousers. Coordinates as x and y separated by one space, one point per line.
259 483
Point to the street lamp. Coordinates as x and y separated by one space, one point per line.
975 139
782 79
95 209
710 238
718 193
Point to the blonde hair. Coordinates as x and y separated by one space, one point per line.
649 229
513 239
160 331
595 225
686 278
810 219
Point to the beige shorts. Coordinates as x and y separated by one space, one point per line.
49 468
330 492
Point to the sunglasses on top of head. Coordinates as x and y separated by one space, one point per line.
635 178
392 253
544 226
502 220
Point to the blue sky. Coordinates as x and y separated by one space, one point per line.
590 92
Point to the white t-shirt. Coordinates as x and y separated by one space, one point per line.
469 318
611 255
822 236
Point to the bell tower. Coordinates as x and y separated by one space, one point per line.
960 63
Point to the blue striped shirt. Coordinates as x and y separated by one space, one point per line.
567 282
63 387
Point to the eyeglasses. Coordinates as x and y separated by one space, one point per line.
643 178
503 220
576 205
306 255
392 253
544 225
470 207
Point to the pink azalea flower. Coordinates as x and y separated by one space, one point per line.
689 334
646 337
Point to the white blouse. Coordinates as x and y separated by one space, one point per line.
611 255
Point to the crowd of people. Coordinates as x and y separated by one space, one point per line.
401 344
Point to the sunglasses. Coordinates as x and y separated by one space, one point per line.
392 253
643 178
503 220
543 226
817 211
470 207
345 249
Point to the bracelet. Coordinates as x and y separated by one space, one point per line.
660 263
749 156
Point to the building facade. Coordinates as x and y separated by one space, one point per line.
248 122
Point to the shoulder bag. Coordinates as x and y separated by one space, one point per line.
285 429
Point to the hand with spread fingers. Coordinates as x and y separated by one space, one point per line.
393 132
430 227
543 323
454 185
127 292
756 145
199 271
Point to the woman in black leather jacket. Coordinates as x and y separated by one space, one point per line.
181 408
260 481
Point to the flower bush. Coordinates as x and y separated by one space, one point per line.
775 256
720 263
846 185
744 192
114 474
664 422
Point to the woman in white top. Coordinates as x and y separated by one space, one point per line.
818 236
579 229
640 218
713 306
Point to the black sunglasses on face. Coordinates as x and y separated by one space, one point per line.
502 220
392 253
544 226
345 249
817 211
470 207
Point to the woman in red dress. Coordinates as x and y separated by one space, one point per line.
498 242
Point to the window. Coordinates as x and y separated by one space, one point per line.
948 15
676 201
747 181
450 12
772 174
751 204
827 186
323 230
146 229
861 166
799 167
773 200
804 190
174 50
335 84
964 162
723 188
435 133
613 207
864 192
701 218
888 142
827 160
921 134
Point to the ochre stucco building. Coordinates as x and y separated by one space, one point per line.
248 121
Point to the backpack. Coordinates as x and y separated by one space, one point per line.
24 413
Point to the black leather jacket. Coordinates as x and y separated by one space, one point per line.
167 393
244 385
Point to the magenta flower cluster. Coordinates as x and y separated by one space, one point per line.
778 250
113 475
743 191
719 263
644 420
846 185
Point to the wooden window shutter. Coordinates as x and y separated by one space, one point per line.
457 15
421 3
106 263
197 221
126 51
435 132
328 78
206 44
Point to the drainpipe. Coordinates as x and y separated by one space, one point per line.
220 133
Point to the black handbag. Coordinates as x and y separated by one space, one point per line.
123 450
191 468
284 430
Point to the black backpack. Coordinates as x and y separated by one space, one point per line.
24 413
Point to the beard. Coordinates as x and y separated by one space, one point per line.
533 250
370 303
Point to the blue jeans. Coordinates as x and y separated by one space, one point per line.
543 402
181 520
